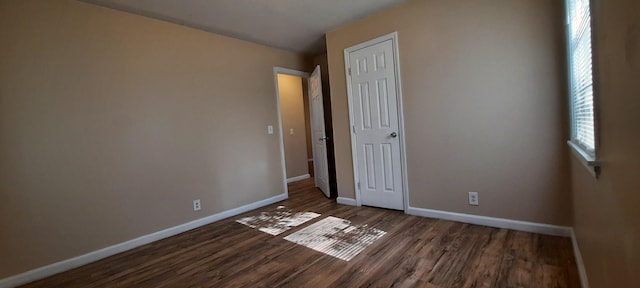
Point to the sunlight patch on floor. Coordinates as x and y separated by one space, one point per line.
278 221
336 237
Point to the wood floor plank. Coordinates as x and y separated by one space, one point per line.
386 251
453 267
484 271
425 251
414 252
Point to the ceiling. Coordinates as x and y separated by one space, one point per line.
295 25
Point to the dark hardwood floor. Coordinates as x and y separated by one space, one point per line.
415 252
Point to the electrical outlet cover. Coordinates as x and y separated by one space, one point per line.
473 198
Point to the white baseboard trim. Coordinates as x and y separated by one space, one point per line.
582 271
347 201
532 227
65 265
298 178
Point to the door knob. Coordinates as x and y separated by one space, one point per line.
323 138
393 134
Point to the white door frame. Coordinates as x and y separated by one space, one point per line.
292 72
403 157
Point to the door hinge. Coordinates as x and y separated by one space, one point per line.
358 185
349 71
353 129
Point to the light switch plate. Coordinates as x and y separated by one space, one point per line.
270 129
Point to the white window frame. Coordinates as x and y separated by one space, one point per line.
586 156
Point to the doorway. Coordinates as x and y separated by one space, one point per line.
375 112
304 139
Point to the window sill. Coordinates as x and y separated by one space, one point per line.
588 161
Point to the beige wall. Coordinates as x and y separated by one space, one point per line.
293 117
607 210
111 124
484 105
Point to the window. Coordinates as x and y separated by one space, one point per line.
583 136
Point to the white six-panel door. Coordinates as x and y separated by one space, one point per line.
318 135
374 109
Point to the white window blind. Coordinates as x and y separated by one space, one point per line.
581 75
